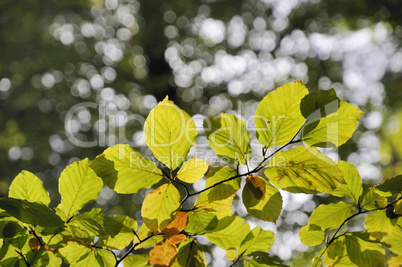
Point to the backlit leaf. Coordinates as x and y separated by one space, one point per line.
159 207
390 187
257 240
278 116
331 216
190 254
353 187
311 235
262 259
177 225
336 254
229 138
333 129
395 261
261 199
371 200
193 170
120 232
30 212
28 187
393 240
200 221
319 101
43 258
125 170
87 224
145 233
364 253
78 185
170 133
229 233
163 254
222 190
137 260
304 170
378 224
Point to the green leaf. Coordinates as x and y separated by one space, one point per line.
261 259
372 200
125 170
145 232
223 190
395 261
193 170
311 235
364 253
120 232
137 260
30 212
304 170
334 129
229 138
336 254
170 133
190 254
390 187
159 207
87 224
219 206
38 258
319 101
28 187
262 200
9 255
78 185
278 117
257 240
201 221
393 240
378 224
11 228
331 216
229 233
353 187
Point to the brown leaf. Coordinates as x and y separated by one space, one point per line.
163 254
34 243
178 238
257 186
177 225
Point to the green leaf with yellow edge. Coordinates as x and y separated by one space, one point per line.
170 133
29 187
222 190
32 213
354 185
159 207
390 187
311 235
229 233
201 221
371 200
229 138
334 129
78 185
125 170
304 170
395 261
363 252
136 260
393 239
378 224
190 254
278 117
261 199
257 240
331 216
193 170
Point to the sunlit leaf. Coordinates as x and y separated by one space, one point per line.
200 221
336 254
364 253
311 235
333 129
231 254
78 185
261 259
137 260
163 254
221 206
257 240
229 233
74 252
145 233
193 170
120 232
177 225
125 170
159 207
170 133
372 200
261 199
224 189
10 227
393 240
331 216
28 187
390 187
304 170
395 261
319 102
398 207
30 212
278 116
190 254
87 224
43 258
378 224
229 138
353 187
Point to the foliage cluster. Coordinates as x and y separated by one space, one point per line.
291 125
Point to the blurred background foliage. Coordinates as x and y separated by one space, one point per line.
117 58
